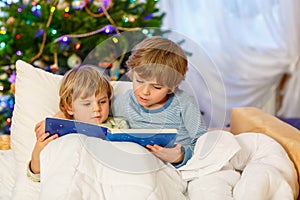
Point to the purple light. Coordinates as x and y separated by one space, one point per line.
19 9
48 68
39 33
149 16
19 53
65 39
109 29
106 3
12 78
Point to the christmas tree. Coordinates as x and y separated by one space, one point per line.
58 35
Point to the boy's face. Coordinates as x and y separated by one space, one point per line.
93 109
149 93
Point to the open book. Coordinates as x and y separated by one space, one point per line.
161 137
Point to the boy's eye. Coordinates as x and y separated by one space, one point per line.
157 87
139 81
103 102
87 104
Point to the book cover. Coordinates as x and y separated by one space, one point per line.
161 137
64 126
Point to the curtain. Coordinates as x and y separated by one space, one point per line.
240 50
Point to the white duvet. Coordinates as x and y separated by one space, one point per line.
80 167
247 166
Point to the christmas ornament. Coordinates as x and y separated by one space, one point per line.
3 76
74 61
39 64
54 67
78 4
63 5
10 20
100 3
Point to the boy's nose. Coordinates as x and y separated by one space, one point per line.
97 107
146 89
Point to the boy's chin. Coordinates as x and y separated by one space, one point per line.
144 105
95 121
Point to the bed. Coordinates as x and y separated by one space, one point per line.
73 168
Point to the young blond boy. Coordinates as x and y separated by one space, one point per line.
85 95
158 66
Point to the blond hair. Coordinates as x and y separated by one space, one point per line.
83 81
161 59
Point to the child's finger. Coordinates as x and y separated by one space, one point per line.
178 146
43 137
52 137
149 146
39 128
157 147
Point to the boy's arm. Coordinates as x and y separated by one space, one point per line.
34 177
42 139
193 122
33 169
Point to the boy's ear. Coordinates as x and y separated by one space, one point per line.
69 110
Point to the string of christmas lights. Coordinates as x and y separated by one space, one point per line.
56 35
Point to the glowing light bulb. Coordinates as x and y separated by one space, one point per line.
67 9
53 31
65 39
52 9
2 45
115 40
19 53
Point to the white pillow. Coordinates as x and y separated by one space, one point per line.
36 97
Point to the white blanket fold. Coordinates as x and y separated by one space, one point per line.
209 173
80 167
246 166
212 152
267 171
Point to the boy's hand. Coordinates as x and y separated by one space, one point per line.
172 155
40 129
41 142
40 126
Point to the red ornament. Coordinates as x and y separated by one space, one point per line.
8 120
105 64
77 46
